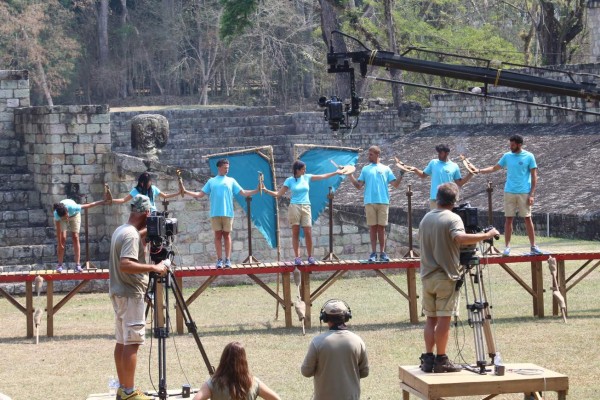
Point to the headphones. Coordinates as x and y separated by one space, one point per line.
324 317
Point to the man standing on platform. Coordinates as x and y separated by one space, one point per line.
128 281
441 235
337 358
220 190
375 179
441 170
519 190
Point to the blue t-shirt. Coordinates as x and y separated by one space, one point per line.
441 172
221 189
377 177
155 193
72 208
518 171
299 188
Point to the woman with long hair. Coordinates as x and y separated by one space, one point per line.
144 186
232 380
299 212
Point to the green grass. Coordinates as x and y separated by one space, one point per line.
78 360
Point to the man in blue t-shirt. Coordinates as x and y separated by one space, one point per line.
220 190
519 190
375 178
441 171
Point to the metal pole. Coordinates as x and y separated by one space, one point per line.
250 259
331 256
410 253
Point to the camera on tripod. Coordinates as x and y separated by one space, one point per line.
160 233
468 215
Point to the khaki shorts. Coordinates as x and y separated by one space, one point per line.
130 321
377 214
73 224
440 297
516 203
224 224
299 214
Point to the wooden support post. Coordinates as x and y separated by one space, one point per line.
537 284
411 281
29 307
178 312
305 293
287 299
50 308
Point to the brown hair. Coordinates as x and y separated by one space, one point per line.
60 209
233 372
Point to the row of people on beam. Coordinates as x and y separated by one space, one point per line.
374 178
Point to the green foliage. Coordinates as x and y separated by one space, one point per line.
236 17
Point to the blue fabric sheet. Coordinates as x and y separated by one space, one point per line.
244 169
318 162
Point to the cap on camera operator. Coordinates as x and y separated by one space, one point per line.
441 235
128 281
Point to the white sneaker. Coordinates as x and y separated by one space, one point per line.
506 252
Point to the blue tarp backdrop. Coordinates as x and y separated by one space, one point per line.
244 169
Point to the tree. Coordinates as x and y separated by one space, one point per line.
36 36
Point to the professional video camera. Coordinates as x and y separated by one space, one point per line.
337 113
160 233
469 217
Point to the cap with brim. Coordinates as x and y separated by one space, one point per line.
335 308
140 203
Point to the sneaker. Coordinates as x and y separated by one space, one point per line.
372 257
78 268
443 364
506 252
311 260
384 257
427 362
536 250
59 268
220 263
119 393
297 261
227 263
135 395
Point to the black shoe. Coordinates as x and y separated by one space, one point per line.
443 364
427 362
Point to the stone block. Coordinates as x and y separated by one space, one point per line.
12 103
8 84
25 102
100 118
92 128
21 93
6 94
76 129
56 129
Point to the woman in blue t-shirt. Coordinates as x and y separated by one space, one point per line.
145 187
299 213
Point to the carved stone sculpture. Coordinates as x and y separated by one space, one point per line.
149 132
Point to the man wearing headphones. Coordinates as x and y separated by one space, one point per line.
441 235
337 358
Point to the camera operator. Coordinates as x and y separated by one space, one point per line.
441 235
128 281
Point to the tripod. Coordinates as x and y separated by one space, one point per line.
158 290
479 312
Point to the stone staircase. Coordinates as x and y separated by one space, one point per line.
197 133
26 240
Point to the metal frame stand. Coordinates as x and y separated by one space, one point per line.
331 257
250 259
410 253
158 296
479 315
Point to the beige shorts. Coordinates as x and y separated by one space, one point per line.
516 204
224 224
130 321
440 297
377 214
73 224
299 214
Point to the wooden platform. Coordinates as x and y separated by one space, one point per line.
336 269
519 378
173 394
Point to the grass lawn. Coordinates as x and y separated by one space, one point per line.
78 360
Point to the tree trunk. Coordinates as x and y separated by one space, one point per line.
555 33
102 23
329 22
394 73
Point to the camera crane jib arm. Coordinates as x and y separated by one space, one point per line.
492 74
